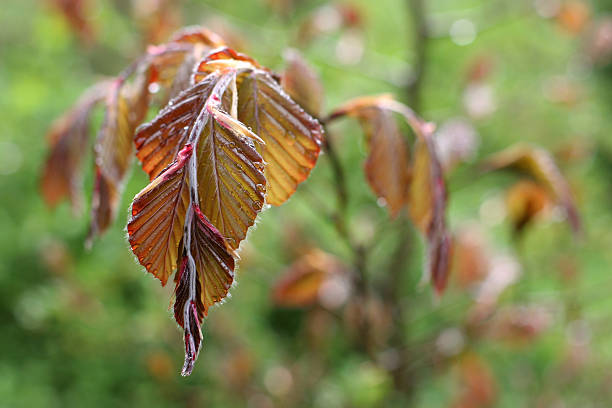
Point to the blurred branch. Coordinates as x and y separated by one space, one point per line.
419 43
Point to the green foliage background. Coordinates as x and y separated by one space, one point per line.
89 329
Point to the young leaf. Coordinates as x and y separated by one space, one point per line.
68 140
539 165
302 83
387 167
292 137
206 274
159 141
158 216
126 107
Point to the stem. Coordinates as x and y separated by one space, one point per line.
359 252
419 42
405 375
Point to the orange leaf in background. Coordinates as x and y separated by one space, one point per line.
302 83
574 15
524 202
387 167
539 165
304 282
478 386
292 137
68 140
470 258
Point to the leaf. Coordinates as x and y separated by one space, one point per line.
198 35
206 274
68 140
302 83
524 202
427 208
310 280
126 107
292 137
159 141
538 164
158 216
387 167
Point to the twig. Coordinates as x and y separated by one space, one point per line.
419 41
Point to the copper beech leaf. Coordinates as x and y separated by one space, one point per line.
387 167
205 276
158 216
126 107
538 164
292 137
68 139
419 184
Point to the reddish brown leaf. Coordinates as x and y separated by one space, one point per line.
302 83
292 137
126 107
68 139
198 35
159 141
539 165
158 216
387 167
206 274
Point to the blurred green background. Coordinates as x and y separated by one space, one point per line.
90 329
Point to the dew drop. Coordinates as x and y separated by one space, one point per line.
260 187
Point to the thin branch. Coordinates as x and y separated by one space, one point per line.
420 35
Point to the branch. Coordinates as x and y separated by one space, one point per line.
419 43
